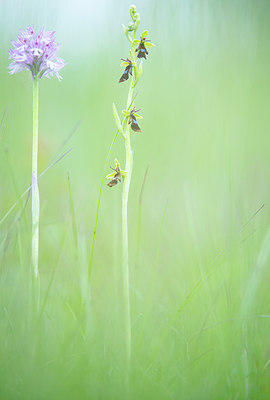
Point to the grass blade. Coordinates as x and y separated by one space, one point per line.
29 187
98 205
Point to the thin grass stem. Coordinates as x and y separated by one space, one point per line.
73 218
98 205
46 296
153 280
139 223
2 125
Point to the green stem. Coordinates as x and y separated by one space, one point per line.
125 265
35 194
131 87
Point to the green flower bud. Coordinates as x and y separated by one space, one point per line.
132 10
136 20
126 33
131 26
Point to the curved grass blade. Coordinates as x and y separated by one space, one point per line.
29 187
98 205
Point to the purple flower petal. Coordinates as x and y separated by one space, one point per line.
36 52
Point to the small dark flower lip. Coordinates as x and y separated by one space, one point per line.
113 182
128 70
118 173
142 51
115 177
132 121
142 46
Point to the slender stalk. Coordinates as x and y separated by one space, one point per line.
153 280
125 267
125 260
73 218
35 195
140 218
98 205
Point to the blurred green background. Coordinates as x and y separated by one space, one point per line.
205 95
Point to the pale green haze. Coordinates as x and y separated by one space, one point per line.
199 239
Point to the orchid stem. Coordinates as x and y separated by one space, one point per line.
35 197
125 260
125 266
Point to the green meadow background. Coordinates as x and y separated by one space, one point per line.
199 235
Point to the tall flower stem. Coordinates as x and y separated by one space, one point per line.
125 263
35 195
125 267
37 52
138 51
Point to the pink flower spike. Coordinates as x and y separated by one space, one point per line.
36 52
